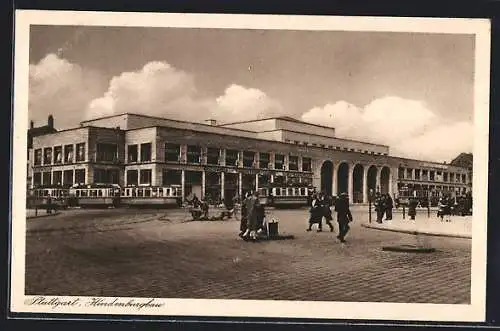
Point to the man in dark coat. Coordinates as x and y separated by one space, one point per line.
243 219
388 205
326 212
344 216
412 208
252 206
316 214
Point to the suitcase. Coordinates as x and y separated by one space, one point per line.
272 229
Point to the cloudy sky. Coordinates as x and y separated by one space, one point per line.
413 92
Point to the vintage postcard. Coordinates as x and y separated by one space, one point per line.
250 166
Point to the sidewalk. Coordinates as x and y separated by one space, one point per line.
459 227
32 213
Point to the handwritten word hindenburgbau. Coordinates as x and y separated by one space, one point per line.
93 302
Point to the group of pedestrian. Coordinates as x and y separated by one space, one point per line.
252 217
383 204
445 206
321 208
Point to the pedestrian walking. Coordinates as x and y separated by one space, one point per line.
315 213
344 216
388 205
412 208
243 218
326 211
252 205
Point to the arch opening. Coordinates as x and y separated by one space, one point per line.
343 178
384 180
357 183
372 178
327 177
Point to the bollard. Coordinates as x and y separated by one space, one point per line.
428 211
404 211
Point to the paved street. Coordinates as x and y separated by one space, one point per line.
148 253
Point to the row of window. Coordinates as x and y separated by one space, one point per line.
417 174
105 152
59 154
66 177
338 148
194 154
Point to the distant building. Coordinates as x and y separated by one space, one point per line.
464 160
220 160
36 132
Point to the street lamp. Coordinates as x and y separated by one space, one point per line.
370 198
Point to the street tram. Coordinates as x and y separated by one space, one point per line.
49 196
282 196
96 195
152 196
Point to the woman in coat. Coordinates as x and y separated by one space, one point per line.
315 213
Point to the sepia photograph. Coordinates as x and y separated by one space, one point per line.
250 166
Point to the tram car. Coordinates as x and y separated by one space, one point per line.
152 196
55 197
285 196
96 195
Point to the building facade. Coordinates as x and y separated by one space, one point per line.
217 161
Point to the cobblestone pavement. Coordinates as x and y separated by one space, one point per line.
159 254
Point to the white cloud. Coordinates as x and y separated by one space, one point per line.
240 103
162 90
409 127
60 88
156 89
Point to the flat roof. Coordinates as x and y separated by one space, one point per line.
284 118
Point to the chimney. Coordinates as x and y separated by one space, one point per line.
50 121
211 122
32 124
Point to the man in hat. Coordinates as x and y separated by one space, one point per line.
344 216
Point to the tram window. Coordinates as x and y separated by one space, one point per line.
160 191
283 191
290 191
99 192
147 192
168 191
140 193
134 192
83 193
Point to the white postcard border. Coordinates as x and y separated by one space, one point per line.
240 308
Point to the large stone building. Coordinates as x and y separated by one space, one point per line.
219 160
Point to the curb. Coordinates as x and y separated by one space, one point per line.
414 232
44 215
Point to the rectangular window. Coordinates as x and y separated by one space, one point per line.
232 157
68 177
457 178
46 179
401 173
146 152
80 152
213 156
47 155
445 176
464 178
100 176
172 152
57 177
248 159
80 176
37 179
293 163
171 177
58 157
409 174
279 161
424 175
193 154
38 156
132 153
106 152
68 154
417 174
431 175
264 160
145 176
306 164
132 177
